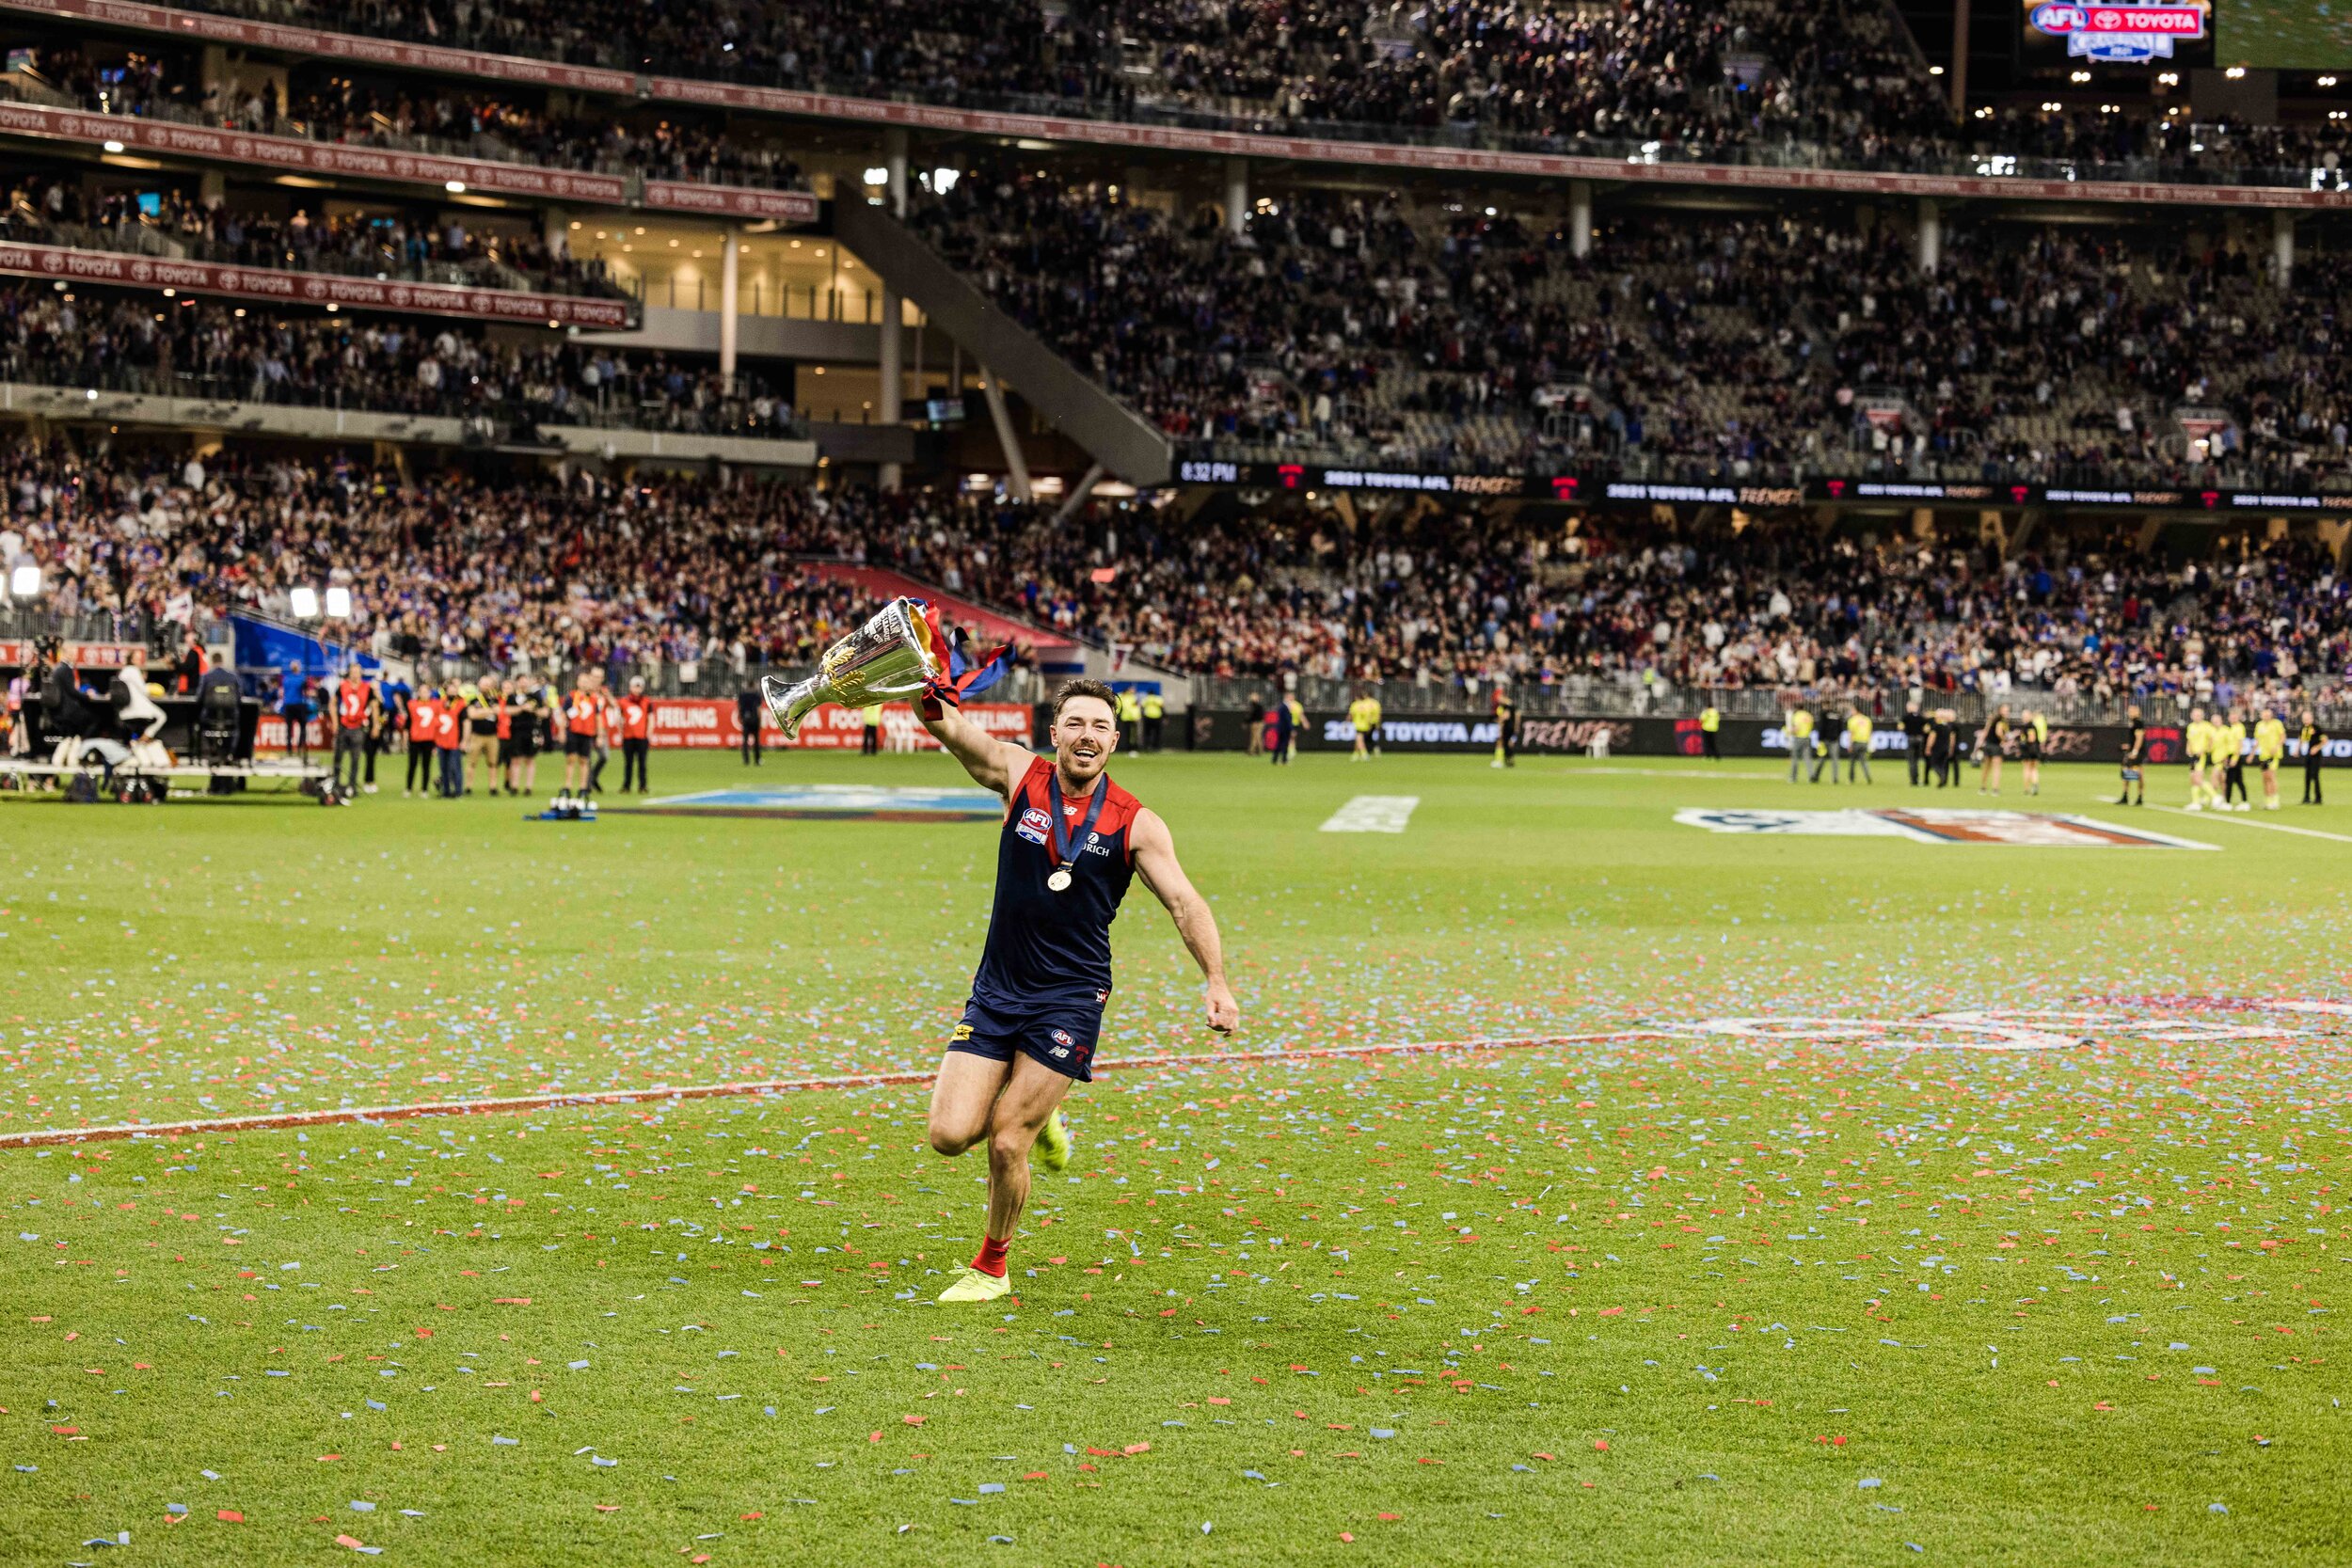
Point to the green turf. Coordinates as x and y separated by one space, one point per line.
2295 35
1614 1302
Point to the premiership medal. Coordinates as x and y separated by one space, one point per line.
1066 845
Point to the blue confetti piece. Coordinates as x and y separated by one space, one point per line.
607 1462
578 1366
376 1404
965 1502
1869 1481
1384 1432
2217 1508
987 1486
357 1507
1001 1540
507 1442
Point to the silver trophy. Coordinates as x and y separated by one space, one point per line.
890 657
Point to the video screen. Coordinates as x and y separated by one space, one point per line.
2176 33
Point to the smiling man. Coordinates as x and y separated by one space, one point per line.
1071 841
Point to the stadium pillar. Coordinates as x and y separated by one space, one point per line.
1077 497
2282 246
1016 466
893 376
1930 234
1959 69
1236 195
1580 218
555 230
730 271
895 160
891 408
2028 523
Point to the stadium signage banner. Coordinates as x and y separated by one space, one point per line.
308 288
710 724
738 201
133 132
340 46
1472 162
17 651
1584 488
1329 730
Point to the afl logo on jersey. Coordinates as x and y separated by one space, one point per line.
1062 1042
1034 825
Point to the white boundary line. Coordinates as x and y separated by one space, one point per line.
2244 821
511 1103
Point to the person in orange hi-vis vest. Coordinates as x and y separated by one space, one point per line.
449 742
636 735
355 704
424 718
583 715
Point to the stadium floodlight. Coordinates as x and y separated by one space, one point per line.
944 181
339 603
304 602
878 176
455 187
113 146
24 583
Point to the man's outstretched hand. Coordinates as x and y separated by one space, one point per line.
1223 1012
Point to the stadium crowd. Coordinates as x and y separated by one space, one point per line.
1681 346
48 208
453 121
1840 83
569 570
395 365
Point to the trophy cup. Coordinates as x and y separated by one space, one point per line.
895 655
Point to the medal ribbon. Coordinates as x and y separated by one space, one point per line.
1066 849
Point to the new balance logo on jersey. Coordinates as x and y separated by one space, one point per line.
1034 825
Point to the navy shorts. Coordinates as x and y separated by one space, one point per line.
1061 1039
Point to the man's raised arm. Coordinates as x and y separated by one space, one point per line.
994 764
1156 863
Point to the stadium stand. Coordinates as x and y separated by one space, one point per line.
1359 329
2104 444
564 570
1838 83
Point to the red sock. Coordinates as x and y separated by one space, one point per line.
991 1257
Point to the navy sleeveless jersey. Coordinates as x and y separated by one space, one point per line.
1048 949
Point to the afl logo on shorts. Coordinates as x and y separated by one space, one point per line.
1062 1042
1034 825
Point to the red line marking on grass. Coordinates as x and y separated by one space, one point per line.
513 1103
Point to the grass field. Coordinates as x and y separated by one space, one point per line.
2307 34
1684 1292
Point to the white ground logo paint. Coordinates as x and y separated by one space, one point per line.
2001 1030
1373 813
